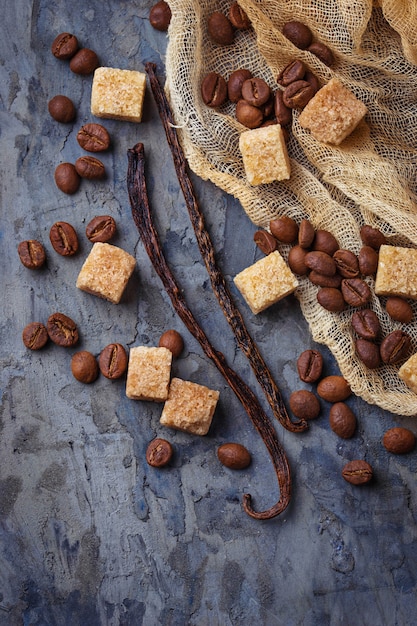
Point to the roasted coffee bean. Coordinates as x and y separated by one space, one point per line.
248 115
31 253
399 440
268 107
356 291
304 404
67 178
311 78
372 237
325 281
298 94
357 472
84 62
342 420
368 352
234 456
256 91
295 70
84 367
325 241
322 52
64 46
214 90
101 228
62 109
63 238
35 335
173 341
160 16
368 261
93 138
366 324
347 263
284 228
235 82
113 361
298 33
238 17
265 241
395 347
159 452
399 309
321 262
62 330
334 388
331 299
283 114
90 167
310 366
220 29
306 233
296 260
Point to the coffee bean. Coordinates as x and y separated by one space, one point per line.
325 281
372 237
366 324
67 178
172 340
35 336
368 261
342 420
395 347
298 33
84 62
256 91
322 52
368 352
295 70
159 452
334 388
238 17
268 108
113 361
235 82
304 404
283 113
331 299
311 78
62 109
347 263
160 16
357 472
62 330
284 228
306 233
63 238
248 115
399 440
321 262
84 367
265 241
64 46
355 291
298 94
90 167
214 90
234 456
101 228
310 366
399 309
220 29
93 138
296 260
325 241
31 253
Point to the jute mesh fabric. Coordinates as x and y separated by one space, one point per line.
369 179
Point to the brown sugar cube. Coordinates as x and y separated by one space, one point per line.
189 407
265 282
396 273
106 271
118 94
408 373
333 113
148 373
264 154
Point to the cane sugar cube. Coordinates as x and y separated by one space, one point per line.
190 407
397 272
148 373
118 94
408 373
265 282
106 271
333 113
264 154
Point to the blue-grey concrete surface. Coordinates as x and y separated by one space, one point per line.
90 534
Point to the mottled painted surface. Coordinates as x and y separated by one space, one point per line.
90 535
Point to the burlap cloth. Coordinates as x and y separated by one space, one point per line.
370 178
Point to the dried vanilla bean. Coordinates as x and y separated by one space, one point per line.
218 283
142 217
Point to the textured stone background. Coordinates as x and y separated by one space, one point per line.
90 535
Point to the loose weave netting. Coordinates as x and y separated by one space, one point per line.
369 179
